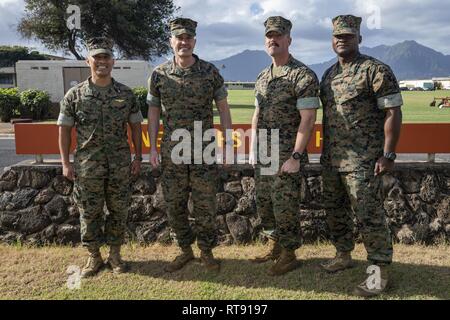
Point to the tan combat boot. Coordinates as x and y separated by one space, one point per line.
372 287
273 254
285 263
342 261
115 262
94 263
181 260
208 261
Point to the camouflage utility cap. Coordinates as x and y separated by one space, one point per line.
278 24
346 24
100 45
183 25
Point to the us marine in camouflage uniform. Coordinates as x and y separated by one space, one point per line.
362 117
183 90
287 97
100 109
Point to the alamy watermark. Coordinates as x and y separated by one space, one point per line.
204 148
374 19
73 22
373 282
74 279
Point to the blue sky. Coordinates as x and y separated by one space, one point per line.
231 26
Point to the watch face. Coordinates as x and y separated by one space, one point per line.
296 156
391 156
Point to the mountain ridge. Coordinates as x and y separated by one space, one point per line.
408 60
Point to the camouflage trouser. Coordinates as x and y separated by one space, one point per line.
91 194
177 181
360 192
277 202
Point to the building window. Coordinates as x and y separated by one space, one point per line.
116 67
44 68
126 68
34 68
7 78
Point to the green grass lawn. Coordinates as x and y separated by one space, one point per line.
416 107
418 272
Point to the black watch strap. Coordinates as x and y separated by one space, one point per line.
296 155
390 156
139 158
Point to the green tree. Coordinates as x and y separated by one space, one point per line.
138 27
438 85
9 55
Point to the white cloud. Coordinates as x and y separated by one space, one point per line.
7 2
10 13
423 21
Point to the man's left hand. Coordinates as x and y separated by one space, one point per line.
290 166
135 167
383 166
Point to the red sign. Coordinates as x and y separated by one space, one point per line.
37 138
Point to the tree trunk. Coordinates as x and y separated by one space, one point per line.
72 42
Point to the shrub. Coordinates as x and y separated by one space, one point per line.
9 103
141 97
35 104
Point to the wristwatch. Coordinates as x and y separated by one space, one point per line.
139 158
391 156
296 155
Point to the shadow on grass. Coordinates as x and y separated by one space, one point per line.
242 106
407 280
236 106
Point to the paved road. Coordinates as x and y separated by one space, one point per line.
8 155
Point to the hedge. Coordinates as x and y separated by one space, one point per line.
9 103
34 104
31 103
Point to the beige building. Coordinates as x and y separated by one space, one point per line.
57 77
412 84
